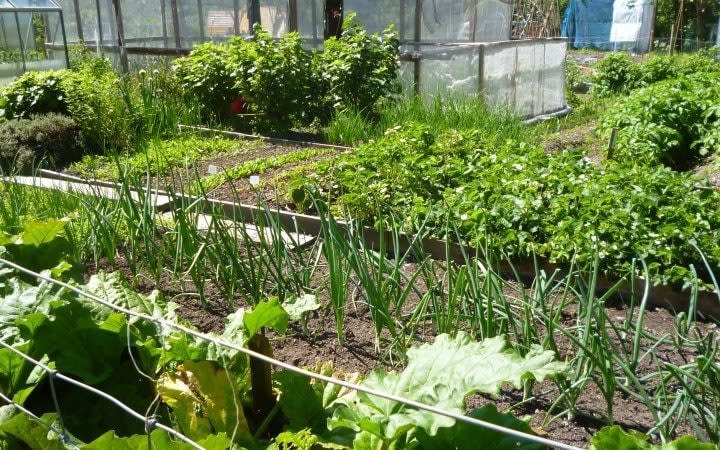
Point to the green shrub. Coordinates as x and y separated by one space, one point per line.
672 122
280 84
89 94
34 93
658 68
286 85
25 142
95 101
207 74
616 73
702 61
359 68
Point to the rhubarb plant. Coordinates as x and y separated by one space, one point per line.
441 374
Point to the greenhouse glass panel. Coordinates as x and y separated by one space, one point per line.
152 28
34 4
54 46
225 18
376 15
89 20
107 23
31 37
71 22
274 17
310 20
190 14
11 62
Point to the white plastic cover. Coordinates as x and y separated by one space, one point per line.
632 24
526 76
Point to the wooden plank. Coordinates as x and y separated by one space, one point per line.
255 137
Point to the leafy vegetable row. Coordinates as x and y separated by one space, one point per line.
515 198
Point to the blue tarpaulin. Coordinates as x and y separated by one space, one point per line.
588 23
609 24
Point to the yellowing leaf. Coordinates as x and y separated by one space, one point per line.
204 398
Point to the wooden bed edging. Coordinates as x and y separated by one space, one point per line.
660 296
256 137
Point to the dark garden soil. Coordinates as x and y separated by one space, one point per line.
583 136
318 343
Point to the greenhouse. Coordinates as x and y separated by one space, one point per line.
32 37
446 46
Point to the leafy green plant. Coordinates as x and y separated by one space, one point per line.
658 68
614 437
616 73
34 93
359 68
154 99
156 157
26 143
41 245
522 201
89 94
255 166
670 122
442 374
283 84
206 75
280 86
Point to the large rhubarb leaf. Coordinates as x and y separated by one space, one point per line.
112 288
41 245
23 299
441 374
615 438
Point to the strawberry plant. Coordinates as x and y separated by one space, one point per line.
517 199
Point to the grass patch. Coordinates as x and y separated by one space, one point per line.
439 114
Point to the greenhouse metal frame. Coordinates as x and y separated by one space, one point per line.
449 45
31 32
